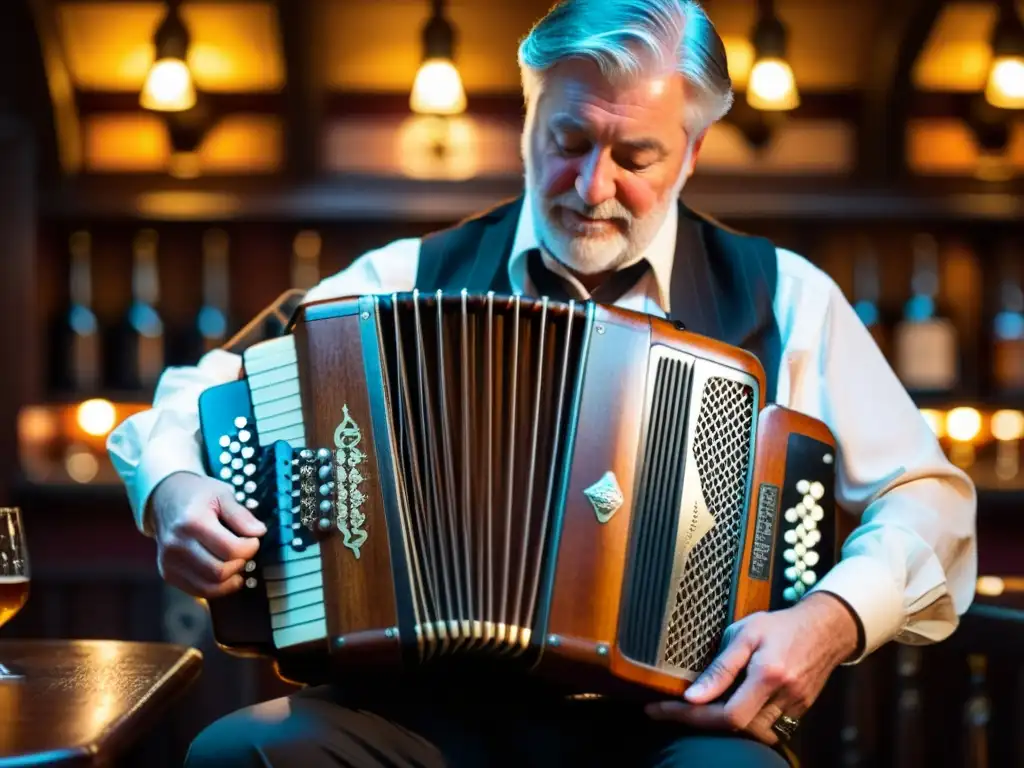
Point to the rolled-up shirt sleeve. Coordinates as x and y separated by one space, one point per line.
165 439
908 569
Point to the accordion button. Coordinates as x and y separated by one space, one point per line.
241 422
817 490
791 515
250 582
789 537
789 556
789 594
811 558
248 452
799 588
817 513
244 436
250 566
235 446
225 473
224 441
808 577
802 487
809 524
251 503
800 550
800 531
792 574
809 501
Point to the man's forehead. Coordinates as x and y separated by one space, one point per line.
576 83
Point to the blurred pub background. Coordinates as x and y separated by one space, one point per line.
166 170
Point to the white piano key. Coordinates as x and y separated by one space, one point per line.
294 436
291 568
301 599
305 583
302 633
286 420
298 616
264 410
272 376
272 349
276 391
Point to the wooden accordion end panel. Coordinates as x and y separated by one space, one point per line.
585 491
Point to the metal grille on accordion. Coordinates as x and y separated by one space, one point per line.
567 485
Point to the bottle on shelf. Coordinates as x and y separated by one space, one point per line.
1008 328
867 294
306 259
77 366
212 321
143 345
925 340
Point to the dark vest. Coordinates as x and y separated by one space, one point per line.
723 281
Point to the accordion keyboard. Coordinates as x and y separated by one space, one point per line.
293 575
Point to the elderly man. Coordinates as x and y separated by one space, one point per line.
620 95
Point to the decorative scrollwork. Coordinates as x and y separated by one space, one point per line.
349 499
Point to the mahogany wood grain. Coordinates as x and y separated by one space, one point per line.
664 332
592 556
84 702
359 592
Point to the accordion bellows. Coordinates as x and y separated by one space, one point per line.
589 492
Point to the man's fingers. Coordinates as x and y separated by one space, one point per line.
190 557
751 697
197 587
717 678
237 518
220 541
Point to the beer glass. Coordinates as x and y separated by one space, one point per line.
14 576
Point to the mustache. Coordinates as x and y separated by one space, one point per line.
609 209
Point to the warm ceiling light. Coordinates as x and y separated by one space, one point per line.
438 89
771 86
1005 88
169 86
963 424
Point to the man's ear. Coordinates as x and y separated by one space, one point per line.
691 161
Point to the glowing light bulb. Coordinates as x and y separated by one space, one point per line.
438 89
169 87
772 86
96 417
1005 88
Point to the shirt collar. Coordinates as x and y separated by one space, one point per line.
660 253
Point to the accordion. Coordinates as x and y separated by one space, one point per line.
587 491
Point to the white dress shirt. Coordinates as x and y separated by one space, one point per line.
908 570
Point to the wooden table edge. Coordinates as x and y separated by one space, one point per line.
110 743
108 746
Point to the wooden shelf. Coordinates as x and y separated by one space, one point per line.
380 199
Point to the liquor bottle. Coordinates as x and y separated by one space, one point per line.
306 259
212 324
1008 328
78 366
926 346
144 345
867 295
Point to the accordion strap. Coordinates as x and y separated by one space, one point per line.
268 324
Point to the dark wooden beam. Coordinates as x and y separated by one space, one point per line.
302 43
358 198
901 33
61 89
219 104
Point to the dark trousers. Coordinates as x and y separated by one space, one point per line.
485 723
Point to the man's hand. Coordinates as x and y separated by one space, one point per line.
788 656
204 536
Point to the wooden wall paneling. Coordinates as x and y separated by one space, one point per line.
17 286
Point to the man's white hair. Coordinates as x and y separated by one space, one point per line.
630 38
